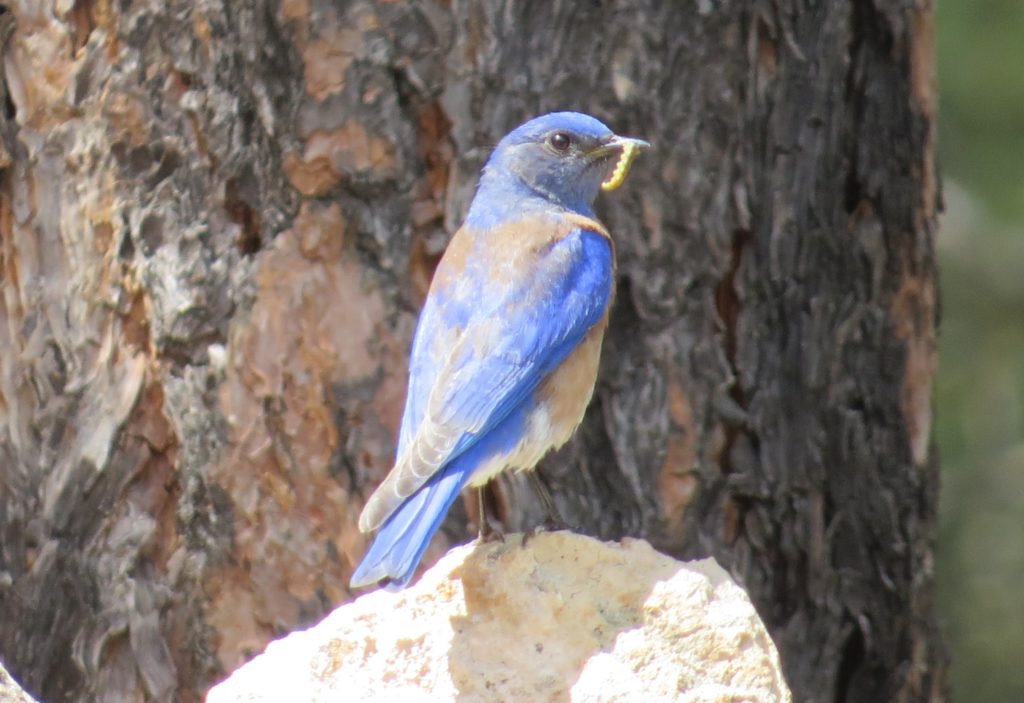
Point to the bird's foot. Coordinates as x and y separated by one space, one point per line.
490 532
551 523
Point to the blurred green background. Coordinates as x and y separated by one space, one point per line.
980 392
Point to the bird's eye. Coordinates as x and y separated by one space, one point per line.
560 141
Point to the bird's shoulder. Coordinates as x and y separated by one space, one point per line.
507 249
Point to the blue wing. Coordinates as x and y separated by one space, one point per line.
515 332
464 404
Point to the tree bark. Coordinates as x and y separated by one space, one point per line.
219 219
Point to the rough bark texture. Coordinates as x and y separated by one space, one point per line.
218 219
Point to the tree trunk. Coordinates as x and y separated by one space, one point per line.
219 218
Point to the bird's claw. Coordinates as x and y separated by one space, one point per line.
549 524
490 532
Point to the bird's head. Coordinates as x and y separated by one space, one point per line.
564 157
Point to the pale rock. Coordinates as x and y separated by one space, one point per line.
10 691
564 618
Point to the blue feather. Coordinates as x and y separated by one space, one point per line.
401 541
485 341
540 337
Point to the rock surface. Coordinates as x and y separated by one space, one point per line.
10 691
564 618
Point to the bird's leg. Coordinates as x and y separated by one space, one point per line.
486 532
553 520
481 515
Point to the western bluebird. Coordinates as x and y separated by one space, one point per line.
506 349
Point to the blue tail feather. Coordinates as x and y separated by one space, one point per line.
401 541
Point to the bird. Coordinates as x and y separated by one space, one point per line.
505 353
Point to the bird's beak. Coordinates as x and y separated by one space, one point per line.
616 143
629 146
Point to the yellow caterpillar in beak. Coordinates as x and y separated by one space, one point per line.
629 150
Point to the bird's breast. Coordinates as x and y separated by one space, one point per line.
556 408
566 392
